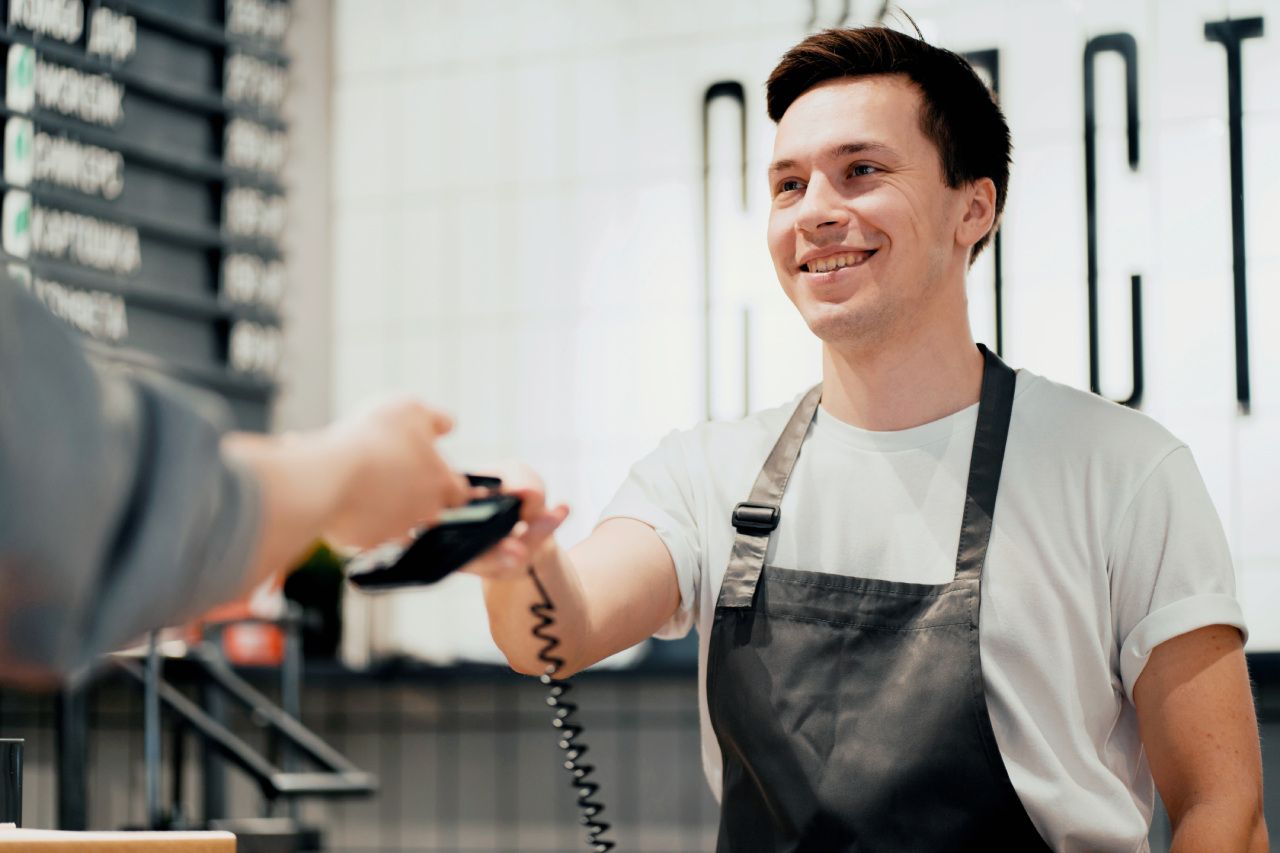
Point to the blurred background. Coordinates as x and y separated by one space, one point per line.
547 218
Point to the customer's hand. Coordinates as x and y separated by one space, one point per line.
394 477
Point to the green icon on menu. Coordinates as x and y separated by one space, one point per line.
26 70
15 223
19 163
20 78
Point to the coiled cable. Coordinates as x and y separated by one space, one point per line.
562 719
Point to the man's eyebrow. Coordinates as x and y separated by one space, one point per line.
851 148
848 149
781 166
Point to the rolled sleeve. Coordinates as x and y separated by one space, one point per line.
1170 565
658 492
1181 617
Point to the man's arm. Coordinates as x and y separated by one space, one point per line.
611 591
1196 719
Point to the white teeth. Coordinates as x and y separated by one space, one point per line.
836 262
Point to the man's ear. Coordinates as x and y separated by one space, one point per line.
979 213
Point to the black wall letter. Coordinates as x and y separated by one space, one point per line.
1229 34
733 90
1125 45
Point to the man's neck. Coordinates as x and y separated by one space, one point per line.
903 383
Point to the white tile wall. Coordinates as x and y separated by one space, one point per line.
364 288
1191 72
1045 294
367 38
428 259
429 153
539 156
544 253
367 130
1264 321
1041 49
1262 184
518 221
1257 548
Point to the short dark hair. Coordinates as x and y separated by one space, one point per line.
958 113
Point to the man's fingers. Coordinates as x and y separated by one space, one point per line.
515 552
501 561
540 528
515 476
533 502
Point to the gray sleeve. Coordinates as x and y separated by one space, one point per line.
118 513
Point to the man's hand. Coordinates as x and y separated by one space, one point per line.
509 592
611 592
531 543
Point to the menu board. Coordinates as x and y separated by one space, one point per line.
142 196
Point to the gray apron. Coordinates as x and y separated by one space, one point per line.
851 712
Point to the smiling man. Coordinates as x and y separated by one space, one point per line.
941 604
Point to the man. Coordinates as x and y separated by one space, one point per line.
123 508
978 610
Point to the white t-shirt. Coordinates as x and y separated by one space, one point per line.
1105 544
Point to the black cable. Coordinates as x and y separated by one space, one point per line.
570 731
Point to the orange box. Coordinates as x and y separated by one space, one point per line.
51 841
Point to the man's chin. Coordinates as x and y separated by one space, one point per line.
846 324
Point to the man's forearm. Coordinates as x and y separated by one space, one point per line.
510 603
1221 826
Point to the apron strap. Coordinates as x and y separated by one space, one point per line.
756 519
995 407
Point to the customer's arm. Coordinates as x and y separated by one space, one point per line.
359 482
120 511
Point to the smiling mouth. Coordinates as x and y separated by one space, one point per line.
837 262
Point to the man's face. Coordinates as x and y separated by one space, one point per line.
862 229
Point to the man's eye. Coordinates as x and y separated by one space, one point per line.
788 185
862 169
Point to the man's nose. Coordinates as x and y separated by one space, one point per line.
822 208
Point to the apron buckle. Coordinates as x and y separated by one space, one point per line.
751 518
